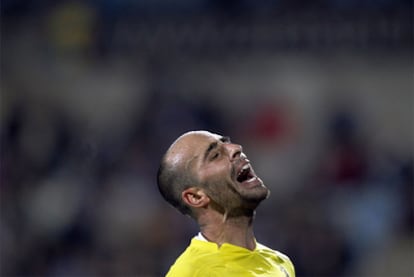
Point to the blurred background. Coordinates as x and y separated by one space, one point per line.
319 93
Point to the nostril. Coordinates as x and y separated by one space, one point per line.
236 154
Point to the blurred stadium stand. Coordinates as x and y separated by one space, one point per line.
320 94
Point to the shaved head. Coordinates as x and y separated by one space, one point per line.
213 164
174 174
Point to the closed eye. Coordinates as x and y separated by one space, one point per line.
215 155
213 147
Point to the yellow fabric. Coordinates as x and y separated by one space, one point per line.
202 258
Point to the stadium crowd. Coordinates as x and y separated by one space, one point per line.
93 92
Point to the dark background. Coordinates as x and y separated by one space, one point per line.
319 93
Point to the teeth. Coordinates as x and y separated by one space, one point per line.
243 169
251 179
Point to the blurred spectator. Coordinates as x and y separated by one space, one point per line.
93 91
72 27
345 164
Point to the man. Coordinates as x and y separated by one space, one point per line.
209 178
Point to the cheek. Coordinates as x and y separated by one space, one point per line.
216 173
222 191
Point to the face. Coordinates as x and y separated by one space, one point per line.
221 167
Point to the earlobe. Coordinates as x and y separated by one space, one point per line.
195 197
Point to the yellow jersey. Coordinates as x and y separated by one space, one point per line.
203 258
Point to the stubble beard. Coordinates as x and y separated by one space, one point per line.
236 201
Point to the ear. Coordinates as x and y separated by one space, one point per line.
195 197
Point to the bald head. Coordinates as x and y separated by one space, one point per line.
200 163
175 173
187 147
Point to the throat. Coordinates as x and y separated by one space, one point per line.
233 230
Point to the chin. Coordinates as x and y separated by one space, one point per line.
255 195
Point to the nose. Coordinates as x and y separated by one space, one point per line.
234 150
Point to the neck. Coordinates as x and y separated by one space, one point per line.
236 230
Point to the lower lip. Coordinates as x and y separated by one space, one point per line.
253 182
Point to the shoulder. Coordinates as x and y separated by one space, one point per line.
264 248
281 258
195 259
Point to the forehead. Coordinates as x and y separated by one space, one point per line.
190 145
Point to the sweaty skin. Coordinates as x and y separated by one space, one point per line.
216 185
224 207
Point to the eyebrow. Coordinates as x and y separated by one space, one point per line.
214 145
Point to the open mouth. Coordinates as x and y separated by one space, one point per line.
245 174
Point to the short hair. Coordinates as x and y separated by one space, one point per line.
172 181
